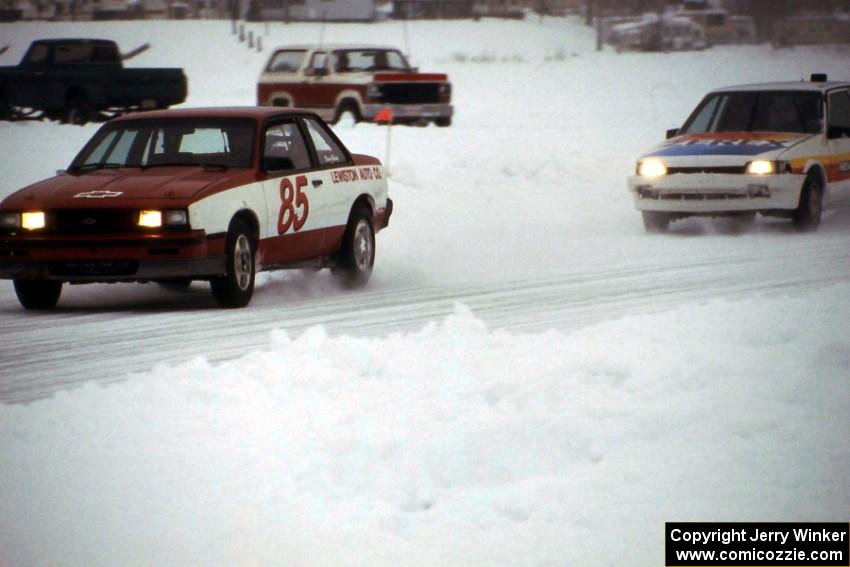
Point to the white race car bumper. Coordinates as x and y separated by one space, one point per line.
706 193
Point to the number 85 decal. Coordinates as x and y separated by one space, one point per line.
292 199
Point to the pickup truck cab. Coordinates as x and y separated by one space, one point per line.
212 194
360 80
78 80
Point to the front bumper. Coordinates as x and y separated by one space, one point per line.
409 111
706 193
115 258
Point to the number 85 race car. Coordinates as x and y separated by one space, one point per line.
779 149
197 194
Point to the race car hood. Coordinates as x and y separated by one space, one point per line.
732 148
178 186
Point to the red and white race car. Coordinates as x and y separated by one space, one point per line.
197 194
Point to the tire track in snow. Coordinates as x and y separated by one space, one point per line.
43 353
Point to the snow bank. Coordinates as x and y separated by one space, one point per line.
454 445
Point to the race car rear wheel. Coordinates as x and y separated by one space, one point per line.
357 254
807 214
38 294
655 221
235 288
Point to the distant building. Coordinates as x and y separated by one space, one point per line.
432 9
313 10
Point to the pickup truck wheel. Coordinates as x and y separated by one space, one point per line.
347 113
357 254
38 294
235 288
77 111
655 221
5 110
443 122
807 214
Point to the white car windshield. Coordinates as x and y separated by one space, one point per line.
359 60
769 111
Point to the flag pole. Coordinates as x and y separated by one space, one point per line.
386 115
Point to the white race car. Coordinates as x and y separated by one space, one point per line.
779 149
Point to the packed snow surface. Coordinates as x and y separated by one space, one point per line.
528 379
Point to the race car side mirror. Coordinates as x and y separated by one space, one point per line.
672 133
275 163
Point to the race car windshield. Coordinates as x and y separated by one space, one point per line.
795 112
359 60
177 142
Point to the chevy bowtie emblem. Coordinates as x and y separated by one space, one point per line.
97 194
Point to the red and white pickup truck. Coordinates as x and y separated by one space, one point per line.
334 80
213 194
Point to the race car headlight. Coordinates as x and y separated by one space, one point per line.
33 220
156 218
651 168
761 167
176 217
765 167
10 220
150 219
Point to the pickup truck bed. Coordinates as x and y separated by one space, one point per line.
80 80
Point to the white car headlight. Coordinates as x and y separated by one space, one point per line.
761 167
651 168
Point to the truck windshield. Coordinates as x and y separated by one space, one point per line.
359 60
176 142
796 112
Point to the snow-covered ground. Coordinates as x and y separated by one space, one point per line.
529 379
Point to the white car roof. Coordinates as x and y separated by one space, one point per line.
334 47
787 86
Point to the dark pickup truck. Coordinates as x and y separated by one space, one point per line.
79 80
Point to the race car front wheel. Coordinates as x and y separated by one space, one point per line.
235 288
655 221
38 294
357 254
807 214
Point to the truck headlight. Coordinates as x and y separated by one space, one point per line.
33 220
373 92
651 168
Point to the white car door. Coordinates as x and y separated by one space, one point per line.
340 180
297 207
838 138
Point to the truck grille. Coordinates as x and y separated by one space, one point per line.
410 93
